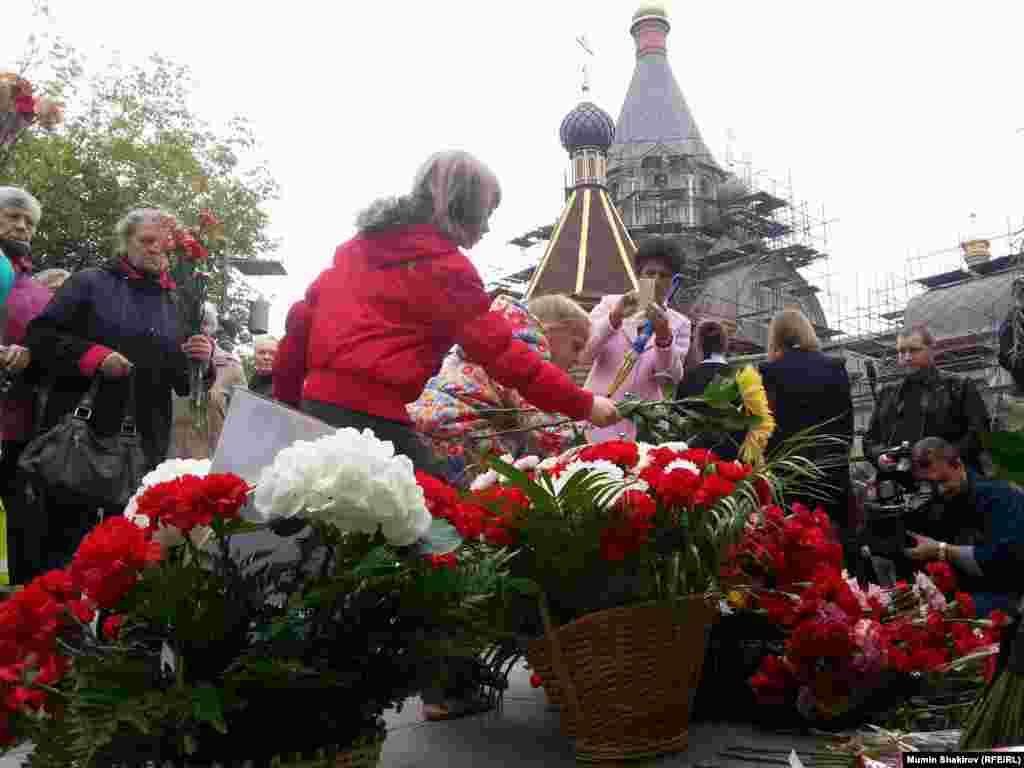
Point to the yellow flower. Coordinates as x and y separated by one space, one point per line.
736 599
755 402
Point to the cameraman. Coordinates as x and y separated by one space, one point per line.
996 504
927 403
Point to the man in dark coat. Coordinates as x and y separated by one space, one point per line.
263 379
927 403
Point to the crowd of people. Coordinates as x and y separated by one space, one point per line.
399 335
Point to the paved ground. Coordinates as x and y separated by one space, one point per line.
523 733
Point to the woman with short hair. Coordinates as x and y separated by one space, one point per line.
114 321
20 214
808 389
466 416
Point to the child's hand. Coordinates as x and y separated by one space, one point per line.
604 412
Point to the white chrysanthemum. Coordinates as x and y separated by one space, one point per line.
527 463
168 536
484 481
549 463
682 464
677 446
350 480
644 454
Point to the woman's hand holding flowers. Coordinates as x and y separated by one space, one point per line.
199 348
116 366
14 359
604 412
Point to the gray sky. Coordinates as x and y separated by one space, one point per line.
901 118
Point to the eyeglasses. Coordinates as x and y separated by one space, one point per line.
910 350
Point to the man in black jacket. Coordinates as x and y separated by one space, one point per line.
927 403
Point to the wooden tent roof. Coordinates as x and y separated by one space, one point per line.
590 253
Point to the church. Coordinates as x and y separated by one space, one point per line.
651 173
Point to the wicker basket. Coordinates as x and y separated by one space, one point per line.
625 677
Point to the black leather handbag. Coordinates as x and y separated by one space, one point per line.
70 460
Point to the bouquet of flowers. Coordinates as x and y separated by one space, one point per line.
192 280
20 108
844 643
778 551
618 522
162 641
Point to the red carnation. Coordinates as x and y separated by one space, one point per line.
734 471
619 452
440 497
499 535
965 604
764 491
207 219
535 680
699 456
942 576
110 559
449 561
112 627
677 488
712 489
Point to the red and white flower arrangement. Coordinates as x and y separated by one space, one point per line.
159 616
617 503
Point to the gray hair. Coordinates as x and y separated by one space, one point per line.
16 197
265 339
452 190
133 220
210 322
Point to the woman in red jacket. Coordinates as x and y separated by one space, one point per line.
375 326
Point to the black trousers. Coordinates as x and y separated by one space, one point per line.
26 518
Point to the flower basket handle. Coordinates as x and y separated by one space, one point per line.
564 679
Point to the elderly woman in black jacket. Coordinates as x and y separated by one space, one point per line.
112 321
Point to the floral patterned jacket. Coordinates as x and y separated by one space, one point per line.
448 412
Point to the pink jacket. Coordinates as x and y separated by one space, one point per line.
655 367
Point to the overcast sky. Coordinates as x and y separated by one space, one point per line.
900 118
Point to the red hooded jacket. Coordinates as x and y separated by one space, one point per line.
375 327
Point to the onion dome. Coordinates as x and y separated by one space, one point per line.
651 9
587 126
